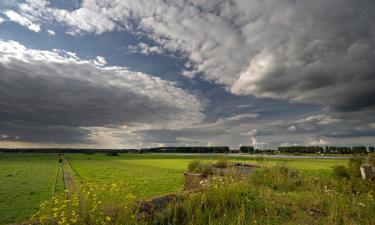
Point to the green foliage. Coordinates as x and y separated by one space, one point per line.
247 149
352 170
354 166
222 162
204 168
340 171
193 165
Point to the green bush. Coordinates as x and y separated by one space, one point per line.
340 171
203 168
197 166
351 171
354 166
222 162
192 165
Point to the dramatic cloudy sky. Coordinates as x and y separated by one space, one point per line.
140 73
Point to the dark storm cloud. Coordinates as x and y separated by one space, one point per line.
42 134
63 93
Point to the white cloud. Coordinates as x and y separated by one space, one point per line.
319 142
245 106
291 128
312 122
51 32
1 19
245 116
100 61
144 48
286 144
319 119
22 20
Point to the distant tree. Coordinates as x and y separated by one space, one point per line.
112 153
247 149
359 149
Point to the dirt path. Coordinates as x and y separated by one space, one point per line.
69 182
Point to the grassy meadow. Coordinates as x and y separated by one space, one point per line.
25 180
28 179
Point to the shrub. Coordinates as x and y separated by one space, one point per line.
351 171
192 165
197 166
340 171
204 168
354 166
222 162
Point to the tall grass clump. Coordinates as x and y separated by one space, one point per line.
278 177
193 165
201 167
222 162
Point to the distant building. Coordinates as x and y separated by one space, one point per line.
368 171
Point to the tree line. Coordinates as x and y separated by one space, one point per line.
204 149
214 149
310 150
326 149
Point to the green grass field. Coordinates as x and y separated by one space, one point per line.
27 179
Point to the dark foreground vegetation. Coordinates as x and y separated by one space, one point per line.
270 195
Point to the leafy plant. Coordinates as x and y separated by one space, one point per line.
193 165
340 171
222 162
